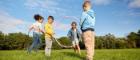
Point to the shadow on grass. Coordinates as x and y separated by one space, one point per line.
72 54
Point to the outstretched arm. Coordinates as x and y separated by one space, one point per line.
30 29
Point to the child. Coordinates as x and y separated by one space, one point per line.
87 23
49 35
37 30
74 36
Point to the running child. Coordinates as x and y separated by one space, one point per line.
37 30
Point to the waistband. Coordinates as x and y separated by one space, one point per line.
88 29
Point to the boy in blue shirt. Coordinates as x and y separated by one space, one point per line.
87 23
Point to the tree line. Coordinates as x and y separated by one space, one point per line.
20 41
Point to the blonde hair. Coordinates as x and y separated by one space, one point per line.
86 2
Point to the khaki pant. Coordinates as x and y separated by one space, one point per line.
89 40
48 47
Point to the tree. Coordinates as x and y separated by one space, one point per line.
138 39
121 43
132 37
22 41
109 41
2 39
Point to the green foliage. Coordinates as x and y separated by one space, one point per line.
109 41
14 41
134 39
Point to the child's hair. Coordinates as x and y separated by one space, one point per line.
51 17
37 17
86 2
73 23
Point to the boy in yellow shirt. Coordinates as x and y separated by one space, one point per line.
49 35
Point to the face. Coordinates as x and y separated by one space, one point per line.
73 26
50 21
40 20
87 7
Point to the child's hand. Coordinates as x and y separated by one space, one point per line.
43 32
53 34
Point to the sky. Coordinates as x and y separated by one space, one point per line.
118 17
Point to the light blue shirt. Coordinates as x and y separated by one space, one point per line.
73 35
87 20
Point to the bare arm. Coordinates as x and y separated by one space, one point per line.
30 29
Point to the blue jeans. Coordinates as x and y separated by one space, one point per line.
36 42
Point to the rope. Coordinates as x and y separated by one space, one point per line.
63 46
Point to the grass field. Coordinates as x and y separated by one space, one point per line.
68 54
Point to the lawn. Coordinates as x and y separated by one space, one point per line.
68 54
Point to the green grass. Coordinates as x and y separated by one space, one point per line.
68 54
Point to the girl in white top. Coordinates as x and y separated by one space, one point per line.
37 30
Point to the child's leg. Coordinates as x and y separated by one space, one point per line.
48 42
77 46
34 43
32 46
93 37
50 47
78 49
38 44
89 44
74 47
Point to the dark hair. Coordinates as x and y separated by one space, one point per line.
73 23
51 17
37 17
86 2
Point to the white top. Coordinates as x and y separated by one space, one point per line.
75 35
37 27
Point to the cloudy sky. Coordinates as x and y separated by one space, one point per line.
118 17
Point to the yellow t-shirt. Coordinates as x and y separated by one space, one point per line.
49 30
